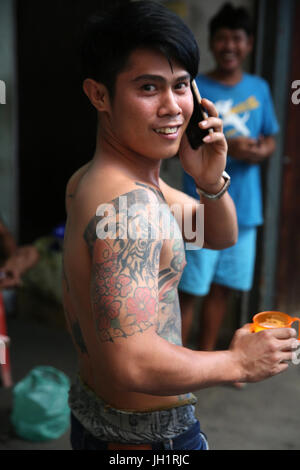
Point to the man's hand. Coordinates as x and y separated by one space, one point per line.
263 354
207 163
23 259
251 150
10 273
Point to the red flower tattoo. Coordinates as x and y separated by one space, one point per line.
119 285
108 268
107 311
142 305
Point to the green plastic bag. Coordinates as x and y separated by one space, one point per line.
40 405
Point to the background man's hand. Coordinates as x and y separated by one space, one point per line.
251 150
263 354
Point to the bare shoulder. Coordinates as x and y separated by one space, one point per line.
114 204
73 183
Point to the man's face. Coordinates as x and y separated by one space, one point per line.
230 48
152 105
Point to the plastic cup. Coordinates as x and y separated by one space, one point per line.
272 319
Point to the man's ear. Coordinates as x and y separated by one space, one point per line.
97 94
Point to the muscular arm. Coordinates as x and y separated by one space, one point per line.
206 166
124 299
220 222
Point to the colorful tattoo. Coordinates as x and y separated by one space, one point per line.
129 294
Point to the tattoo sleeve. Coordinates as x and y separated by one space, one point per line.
124 242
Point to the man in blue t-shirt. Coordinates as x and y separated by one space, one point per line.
244 103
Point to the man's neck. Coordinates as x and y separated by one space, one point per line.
131 164
225 77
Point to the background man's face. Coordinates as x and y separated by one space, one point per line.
230 48
152 105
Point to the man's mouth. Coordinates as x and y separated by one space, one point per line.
228 55
167 130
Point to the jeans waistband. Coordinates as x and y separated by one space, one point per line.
110 424
192 439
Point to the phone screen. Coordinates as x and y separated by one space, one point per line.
195 135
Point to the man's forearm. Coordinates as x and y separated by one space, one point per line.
166 369
220 222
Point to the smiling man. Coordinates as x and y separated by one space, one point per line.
135 382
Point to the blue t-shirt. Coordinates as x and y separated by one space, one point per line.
247 110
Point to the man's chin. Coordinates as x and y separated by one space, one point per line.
229 67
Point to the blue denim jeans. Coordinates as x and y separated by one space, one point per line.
192 439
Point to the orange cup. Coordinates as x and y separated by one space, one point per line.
272 319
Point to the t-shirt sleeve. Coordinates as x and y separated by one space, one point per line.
270 123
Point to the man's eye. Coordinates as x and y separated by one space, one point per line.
148 87
182 86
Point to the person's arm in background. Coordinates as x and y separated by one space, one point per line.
7 243
257 150
251 150
16 265
15 261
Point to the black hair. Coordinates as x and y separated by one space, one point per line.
233 18
110 38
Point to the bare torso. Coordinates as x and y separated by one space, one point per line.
79 237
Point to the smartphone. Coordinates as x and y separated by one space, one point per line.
194 134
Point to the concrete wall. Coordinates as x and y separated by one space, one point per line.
8 167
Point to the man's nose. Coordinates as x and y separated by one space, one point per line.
169 104
229 44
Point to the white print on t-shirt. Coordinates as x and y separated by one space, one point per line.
237 116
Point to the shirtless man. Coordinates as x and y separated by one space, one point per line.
135 382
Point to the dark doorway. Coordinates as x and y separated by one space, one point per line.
56 122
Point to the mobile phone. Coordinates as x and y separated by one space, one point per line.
194 134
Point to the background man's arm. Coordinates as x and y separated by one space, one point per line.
251 150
